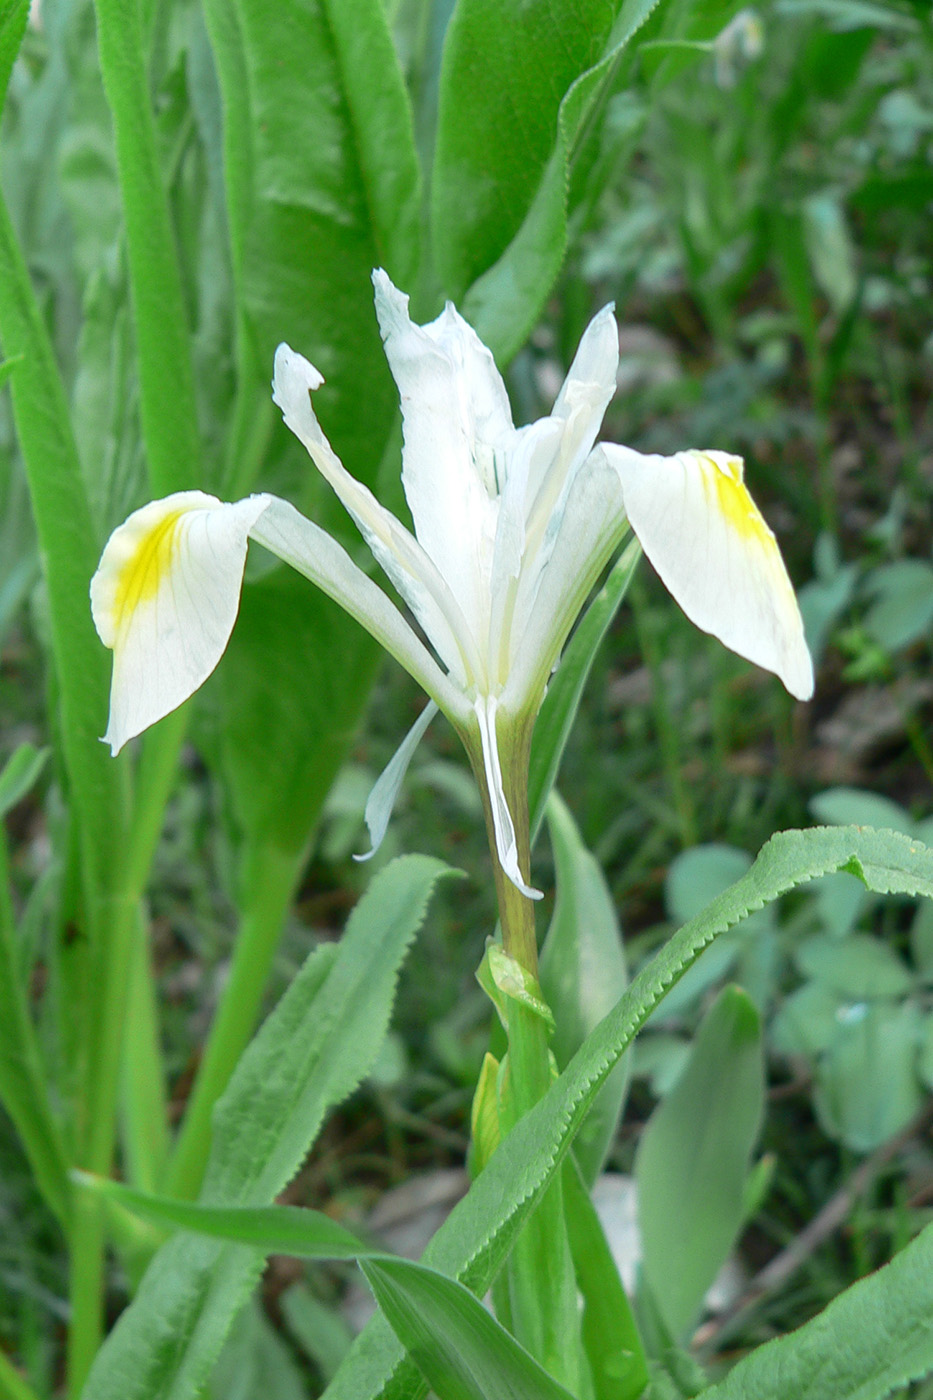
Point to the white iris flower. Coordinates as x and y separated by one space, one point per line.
512 529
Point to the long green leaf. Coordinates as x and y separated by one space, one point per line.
505 70
871 1340
559 710
322 186
693 1160
583 974
458 1346
166 377
506 300
23 1081
472 1244
613 1345
305 1234
310 1053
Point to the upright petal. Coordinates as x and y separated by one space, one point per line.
579 408
707 539
549 600
458 428
417 578
164 598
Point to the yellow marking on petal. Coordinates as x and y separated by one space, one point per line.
726 476
142 575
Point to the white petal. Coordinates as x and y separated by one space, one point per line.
164 598
705 536
548 602
381 800
309 549
457 429
410 569
580 406
506 844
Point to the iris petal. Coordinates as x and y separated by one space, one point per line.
706 538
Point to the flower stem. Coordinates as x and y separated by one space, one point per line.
541 1283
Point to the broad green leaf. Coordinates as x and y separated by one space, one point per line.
473 1243
458 1346
505 70
289 712
310 1053
871 1340
13 17
850 806
693 1159
320 1331
613 1346
583 974
506 298
257 1360
559 710
20 774
322 186
866 1080
806 1021
858 967
903 608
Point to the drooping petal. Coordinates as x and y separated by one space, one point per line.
164 598
506 843
707 539
402 558
381 800
457 430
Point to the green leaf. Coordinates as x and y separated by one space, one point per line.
559 710
14 15
310 1053
20 774
583 974
474 1241
613 1346
850 806
903 608
304 1234
458 1346
866 1080
322 186
693 1159
871 1340
505 70
520 242
163 339
858 967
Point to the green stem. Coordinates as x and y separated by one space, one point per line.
542 1286
268 889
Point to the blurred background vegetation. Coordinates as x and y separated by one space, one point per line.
761 218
